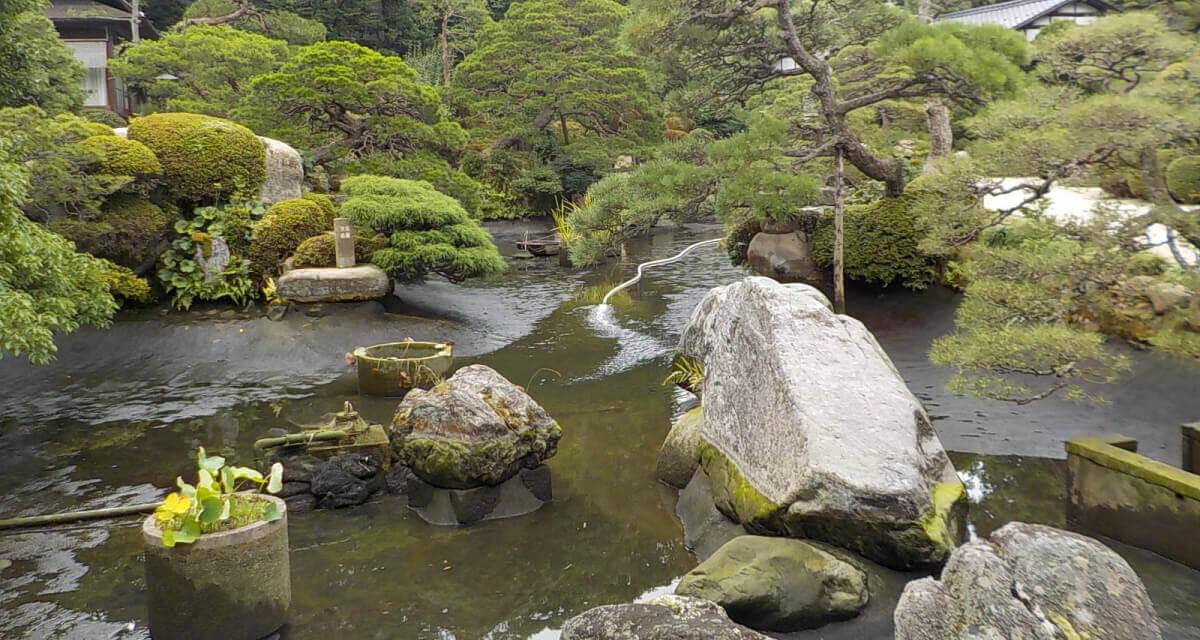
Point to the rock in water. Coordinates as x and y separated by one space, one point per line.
778 584
810 432
784 257
363 282
285 173
679 456
663 618
1029 581
475 429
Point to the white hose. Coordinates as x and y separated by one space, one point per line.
655 263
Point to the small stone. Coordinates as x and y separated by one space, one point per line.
276 312
314 311
1166 295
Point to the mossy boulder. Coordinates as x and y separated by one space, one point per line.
122 157
202 156
282 229
1183 179
127 231
475 429
810 432
680 452
778 584
319 251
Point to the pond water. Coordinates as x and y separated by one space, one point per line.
84 435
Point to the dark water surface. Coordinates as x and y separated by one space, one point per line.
118 415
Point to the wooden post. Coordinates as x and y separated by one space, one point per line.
135 21
343 242
839 232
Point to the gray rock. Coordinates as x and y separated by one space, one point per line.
705 528
474 429
537 481
347 481
663 618
473 505
1029 581
213 259
680 452
285 172
778 584
810 432
1166 295
363 282
784 257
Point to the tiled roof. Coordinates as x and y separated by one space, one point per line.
1013 14
85 10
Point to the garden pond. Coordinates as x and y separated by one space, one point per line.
122 409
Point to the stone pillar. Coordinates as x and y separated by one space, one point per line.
343 234
1191 447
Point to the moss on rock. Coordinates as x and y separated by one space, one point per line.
126 232
326 205
202 156
1183 179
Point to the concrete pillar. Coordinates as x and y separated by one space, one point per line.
1191 447
343 234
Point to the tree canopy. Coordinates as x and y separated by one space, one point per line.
38 68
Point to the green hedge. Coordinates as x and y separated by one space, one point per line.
1183 179
127 231
880 244
202 156
122 157
319 251
282 228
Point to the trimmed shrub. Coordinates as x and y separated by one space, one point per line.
123 284
319 251
99 129
202 156
323 201
282 228
127 232
122 157
1183 179
104 117
880 244
427 231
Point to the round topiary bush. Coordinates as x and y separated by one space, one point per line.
881 244
1183 179
319 251
127 232
282 228
202 156
122 157
323 201
98 129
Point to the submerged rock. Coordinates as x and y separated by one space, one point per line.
363 282
474 429
663 618
1029 581
679 456
778 584
810 432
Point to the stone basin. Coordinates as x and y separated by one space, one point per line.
393 368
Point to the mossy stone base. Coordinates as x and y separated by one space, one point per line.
455 464
234 585
899 543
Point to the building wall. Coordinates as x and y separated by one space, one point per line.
1077 12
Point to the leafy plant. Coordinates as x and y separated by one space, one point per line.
212 504
687 373
186 279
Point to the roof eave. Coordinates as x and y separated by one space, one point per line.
1099 4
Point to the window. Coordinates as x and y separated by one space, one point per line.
94 56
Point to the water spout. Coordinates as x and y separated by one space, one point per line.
654 263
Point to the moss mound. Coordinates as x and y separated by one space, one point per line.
127 232
122 157
1183 179
319 251
203 156
323 201
282 228
880 244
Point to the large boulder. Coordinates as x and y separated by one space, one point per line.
1029 581
663 618
475 429
285 172
680 453
363 282
778 584
810 432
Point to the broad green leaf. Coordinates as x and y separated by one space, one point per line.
275 484
224 510
185 488
188 533
247 473
168 538
272 513
227 479
212 464
180 226
206 480
211 512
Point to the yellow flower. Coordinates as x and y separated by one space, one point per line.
177 503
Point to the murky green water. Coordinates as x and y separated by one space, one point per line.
379 571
